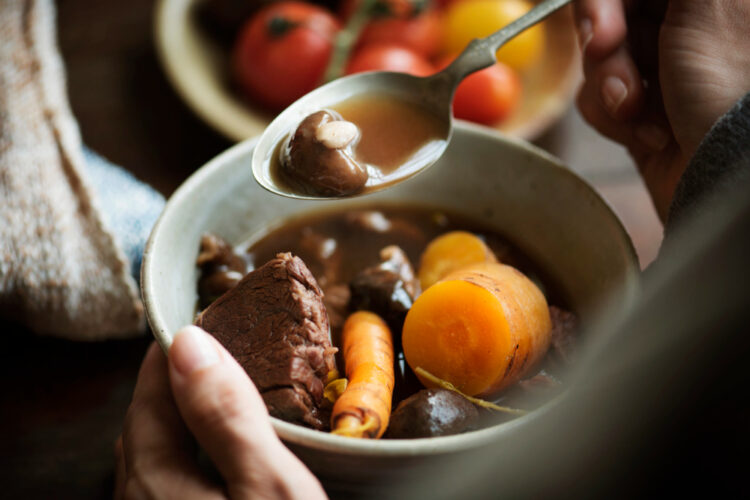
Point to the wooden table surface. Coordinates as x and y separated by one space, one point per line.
62 402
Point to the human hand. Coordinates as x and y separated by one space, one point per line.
659 74
200 396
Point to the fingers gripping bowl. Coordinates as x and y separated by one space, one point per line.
555 218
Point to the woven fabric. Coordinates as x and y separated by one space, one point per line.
62 272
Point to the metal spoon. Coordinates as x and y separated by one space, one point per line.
434 93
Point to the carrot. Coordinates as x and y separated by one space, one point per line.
451 251
481 328
363 410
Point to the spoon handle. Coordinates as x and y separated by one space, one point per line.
480 53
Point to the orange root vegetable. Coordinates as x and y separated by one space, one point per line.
363 410
481 328
449 252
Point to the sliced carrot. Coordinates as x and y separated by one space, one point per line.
449 252
481 328
364 408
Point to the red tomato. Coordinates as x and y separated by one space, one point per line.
443 4
389 58
410 23
420 33
487 96
282 52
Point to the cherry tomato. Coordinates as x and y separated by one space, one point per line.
413 24
389 58
487 96
465 20
420 33
282 52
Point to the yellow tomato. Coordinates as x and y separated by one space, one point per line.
465 20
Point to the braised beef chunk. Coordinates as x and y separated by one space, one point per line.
432 412
294 404
564 328
221 268
274 323
388 289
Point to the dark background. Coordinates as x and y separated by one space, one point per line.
62 403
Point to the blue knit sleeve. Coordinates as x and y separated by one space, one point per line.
129 207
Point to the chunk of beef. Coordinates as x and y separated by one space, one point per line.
221 268
388 289
430 413
274 323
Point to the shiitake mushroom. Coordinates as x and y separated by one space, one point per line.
431 413
318 160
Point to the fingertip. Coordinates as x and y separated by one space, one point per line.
585 33
620 87
219 403
591 109
192 350
601 26
614 92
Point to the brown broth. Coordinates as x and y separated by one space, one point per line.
393 131
353 247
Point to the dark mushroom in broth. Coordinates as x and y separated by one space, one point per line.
359 145
317 159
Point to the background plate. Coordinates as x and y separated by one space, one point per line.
197 66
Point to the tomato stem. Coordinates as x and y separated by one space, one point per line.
278 26
346 39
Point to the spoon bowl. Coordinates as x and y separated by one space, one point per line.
433 93
425 92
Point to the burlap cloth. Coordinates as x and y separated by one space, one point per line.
63 269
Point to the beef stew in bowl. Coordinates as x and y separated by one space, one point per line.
312 272
551 215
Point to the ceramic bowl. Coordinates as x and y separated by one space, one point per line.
198 68
553 216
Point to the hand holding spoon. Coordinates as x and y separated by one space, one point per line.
434 94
